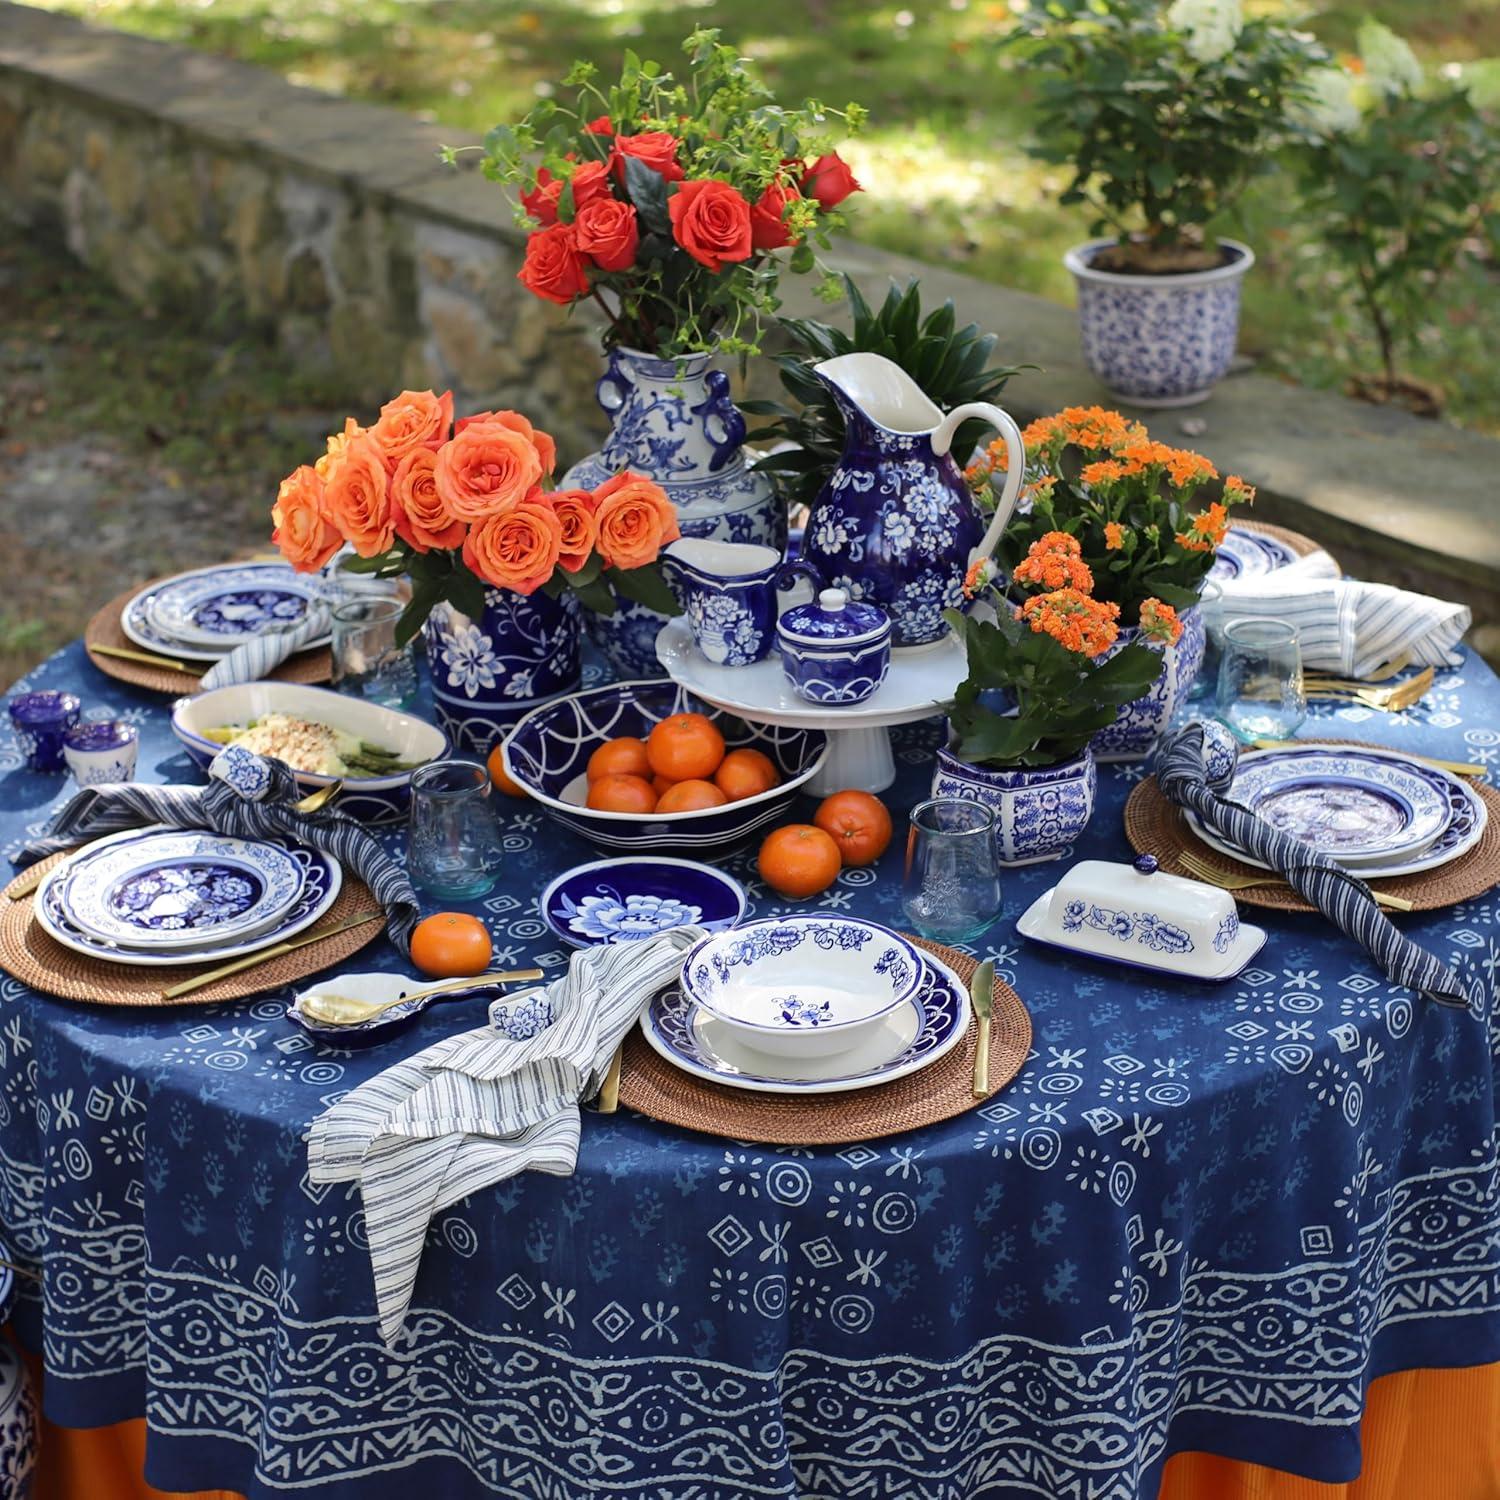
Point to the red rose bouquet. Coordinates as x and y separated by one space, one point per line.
673 205
464 505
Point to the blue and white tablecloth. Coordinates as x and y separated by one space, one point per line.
1199 1218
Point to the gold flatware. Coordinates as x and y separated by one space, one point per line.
1453 767
1383 673
126 654
1232 880
982 993
313 801
187 986
609 1090
27 884
1390 700
348 1010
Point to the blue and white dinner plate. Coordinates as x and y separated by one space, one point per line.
625 900
917 1034
229 605
1249 554
321 881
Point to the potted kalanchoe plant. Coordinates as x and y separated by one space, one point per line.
1147 518
1045 675
672 206
1162 115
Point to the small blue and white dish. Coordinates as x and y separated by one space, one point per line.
41 720
379 987
100 752
627 900
834 651
804 985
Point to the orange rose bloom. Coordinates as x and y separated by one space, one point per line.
580 530
337 442
420 515
485 469
636 520
546 449
358 492
414 419
303 532
517 549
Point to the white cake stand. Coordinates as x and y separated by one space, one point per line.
920 683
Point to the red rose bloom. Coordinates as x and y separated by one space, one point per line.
590 181
657 148
829 180
768 230
541 201
607 233
600 126
553 268
711 221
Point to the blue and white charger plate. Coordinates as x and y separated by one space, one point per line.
625 900
177 888
917 1034
1249 554
321 881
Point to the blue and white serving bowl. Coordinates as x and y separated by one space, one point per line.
804 985
834 651
627 900
374 799
547 754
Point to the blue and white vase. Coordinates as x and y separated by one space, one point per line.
1159 341
489 673
1140 723
673 421
1039 810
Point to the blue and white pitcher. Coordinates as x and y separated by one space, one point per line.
895 525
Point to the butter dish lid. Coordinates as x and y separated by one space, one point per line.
834 616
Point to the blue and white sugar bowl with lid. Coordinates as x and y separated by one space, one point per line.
834 651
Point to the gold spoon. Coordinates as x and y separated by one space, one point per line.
332 1009
320 798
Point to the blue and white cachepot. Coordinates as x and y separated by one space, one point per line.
1140 723
834 651
489 673
673 421
1039 810
1159 341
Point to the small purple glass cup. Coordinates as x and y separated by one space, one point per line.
101 751
41 719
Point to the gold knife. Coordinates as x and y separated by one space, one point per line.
265 954
1455 767
26 884
145 656
609 1090
982 993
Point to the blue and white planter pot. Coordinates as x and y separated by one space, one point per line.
1039 810
1159 341
832 651
1140 723
673 421
489 673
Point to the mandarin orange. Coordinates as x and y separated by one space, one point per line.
690 796
686 747
500 777
625 756
451 944
858 823
619 793
799 860
746 773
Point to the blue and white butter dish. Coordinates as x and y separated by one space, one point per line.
835 650
1137 915
627 900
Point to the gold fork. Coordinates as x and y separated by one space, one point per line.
1390 700
1232 880
1383 673
1456 767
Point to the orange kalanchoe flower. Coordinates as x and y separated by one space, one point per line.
1055 561
1185 468
1237 492
1105 471
1206 530
1073 620
981 572
1095 427
1114 535
1159 622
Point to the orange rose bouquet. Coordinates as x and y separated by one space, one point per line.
673 205
461 506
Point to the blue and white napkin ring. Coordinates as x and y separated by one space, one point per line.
248 773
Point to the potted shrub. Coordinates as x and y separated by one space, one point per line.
1162 118
1147 519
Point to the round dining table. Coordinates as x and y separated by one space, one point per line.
1203 1232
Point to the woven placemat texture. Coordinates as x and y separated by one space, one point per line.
1156 826
1300 544
31 956
652 1086
105 630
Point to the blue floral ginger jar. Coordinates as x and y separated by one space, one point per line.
673 421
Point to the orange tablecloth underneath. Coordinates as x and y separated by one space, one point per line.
1427 1435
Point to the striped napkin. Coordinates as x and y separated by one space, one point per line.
265 652
248 797
1346 626
482 1106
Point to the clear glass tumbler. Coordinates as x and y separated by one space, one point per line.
1260 680
367 662
453 841
951 889
1211 611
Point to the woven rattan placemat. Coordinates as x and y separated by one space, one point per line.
651 1085
1156 826
40 961
105 630
1299 543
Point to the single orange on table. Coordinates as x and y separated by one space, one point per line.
625 756
450 945
746 773
690 796
685 747
799 860
858 823
620 793
501 778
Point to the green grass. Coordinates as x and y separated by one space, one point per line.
944 162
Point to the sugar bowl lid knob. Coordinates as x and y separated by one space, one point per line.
1146 864
833 600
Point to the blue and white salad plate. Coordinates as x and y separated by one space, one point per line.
916 1034
321 881
625 900
1249 554
178 889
